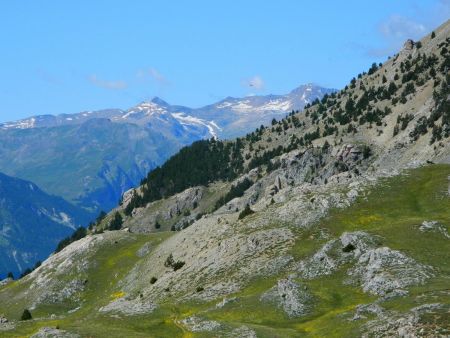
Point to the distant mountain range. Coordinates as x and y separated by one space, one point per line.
32 223
92 158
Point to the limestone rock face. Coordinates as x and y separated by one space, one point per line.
336 253
408 45
185 200
382 271
377 270
414 323
292 297
129 307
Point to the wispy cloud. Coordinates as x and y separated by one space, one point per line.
394 31
154 74
399 27
256 83
113 85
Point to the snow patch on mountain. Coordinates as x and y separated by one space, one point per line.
224 113
22 124
191 120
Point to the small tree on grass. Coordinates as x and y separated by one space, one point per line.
26 315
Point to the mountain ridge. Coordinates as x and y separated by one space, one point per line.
156 104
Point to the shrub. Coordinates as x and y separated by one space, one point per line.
419 129
170 262
367 152
26 315
409 89
178 265
247 211
153 280
396 129
373 69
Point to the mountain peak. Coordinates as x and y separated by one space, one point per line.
159 101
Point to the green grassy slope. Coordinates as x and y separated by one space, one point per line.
392 209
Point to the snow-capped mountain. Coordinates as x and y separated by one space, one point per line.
108 151
237 116
229 117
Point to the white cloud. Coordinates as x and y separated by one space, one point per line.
114 85
398 27
394 31
256 82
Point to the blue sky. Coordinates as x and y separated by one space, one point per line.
70 56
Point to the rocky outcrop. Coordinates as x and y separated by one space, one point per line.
421 321
377 270
197 324
184 201
434 226
364 311
49 332
129 307
177 211
294 298
5 324
408 45
383 271
334 254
